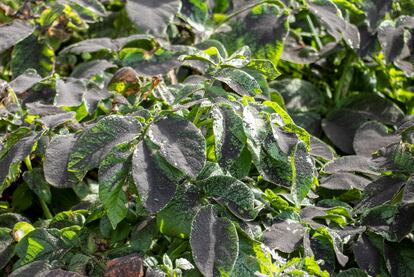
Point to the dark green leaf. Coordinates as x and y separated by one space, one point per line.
37 183
175 219
113 176
30 53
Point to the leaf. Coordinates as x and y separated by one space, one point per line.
93 145
113 176
6 246
90 46
175 219
143 235
89 69
152 15
30 53
214 243
252 258
380 192
398 258
25 81
239 81
303 171
232 193
351 163
11 34
229 134
264 29
299 95
392 40
321 150
160 62
327 13
340 127
155 179
131 265
396 157
344 181
39 244
56 160
367 256
13 155
284 235
375 12
37 183
180 142
379 219
31 269
372 136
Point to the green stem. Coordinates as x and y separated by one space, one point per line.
46 211
314 33
346 78
205 122
251 6
198 115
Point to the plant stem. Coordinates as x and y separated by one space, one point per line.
314 33
251 6
198 116
346 78
46 211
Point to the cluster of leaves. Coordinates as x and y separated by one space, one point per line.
206 138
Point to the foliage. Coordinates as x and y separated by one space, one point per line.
206 138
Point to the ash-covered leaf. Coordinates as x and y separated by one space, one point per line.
320 149
327 13
229 134
352 163
234 194
239 81
284 236
372 136
367 256
25 81
344 181
380 191
56 161
13 33
303 171
156 180
214 243
91 68
180 142
93 145
340 127
152 16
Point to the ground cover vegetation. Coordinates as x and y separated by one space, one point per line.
206 138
